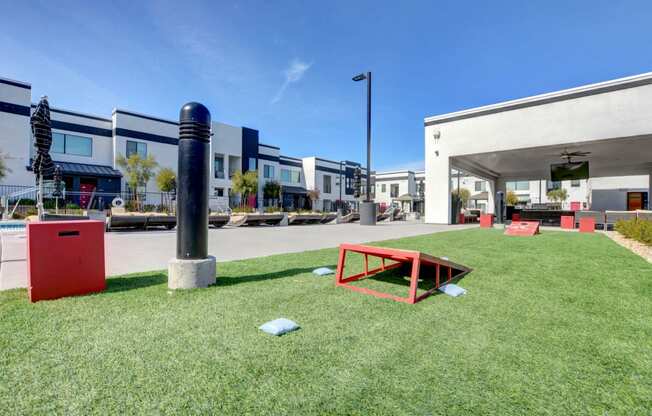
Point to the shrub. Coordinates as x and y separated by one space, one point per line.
242 210
636 229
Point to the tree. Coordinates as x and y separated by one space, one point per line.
166 180
245 183
511 198
463 194
314 194
138 171
557 195
272 190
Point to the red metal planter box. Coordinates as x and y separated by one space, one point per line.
567 222
486 220
587 225
65 258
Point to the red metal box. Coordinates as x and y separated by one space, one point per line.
65 258
567 222
486 220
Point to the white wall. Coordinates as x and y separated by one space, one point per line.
165 154
15 136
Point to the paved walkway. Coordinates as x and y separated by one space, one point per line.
139 251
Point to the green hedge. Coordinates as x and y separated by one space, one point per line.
637 229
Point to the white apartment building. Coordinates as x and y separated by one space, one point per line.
607 126
87 147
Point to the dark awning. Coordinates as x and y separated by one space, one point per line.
82 169
294 190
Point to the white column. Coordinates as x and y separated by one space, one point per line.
491 196
438 189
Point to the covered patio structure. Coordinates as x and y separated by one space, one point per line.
609 123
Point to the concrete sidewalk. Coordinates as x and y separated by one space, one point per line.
140 251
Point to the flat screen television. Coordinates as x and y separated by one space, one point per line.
569 171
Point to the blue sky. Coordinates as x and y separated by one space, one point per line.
285 67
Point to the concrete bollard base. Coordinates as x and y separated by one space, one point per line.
191 273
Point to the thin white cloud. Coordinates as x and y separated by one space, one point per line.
293 73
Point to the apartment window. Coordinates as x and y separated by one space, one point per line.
268 171
218 166
383 188
136 148
480 186
71 144
575 183
327 184
393 190
218 192
252 163
518 185
553 185
292 176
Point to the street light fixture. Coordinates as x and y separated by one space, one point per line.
368 207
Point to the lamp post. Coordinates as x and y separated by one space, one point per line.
368 207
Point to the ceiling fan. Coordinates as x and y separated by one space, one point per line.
568 155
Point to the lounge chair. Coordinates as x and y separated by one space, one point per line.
328 217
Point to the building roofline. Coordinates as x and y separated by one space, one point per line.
145 116
395 172
15 83
547 98
76 114
269 145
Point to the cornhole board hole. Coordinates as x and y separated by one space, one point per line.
420 266
567 222
523 228
587 225
486 220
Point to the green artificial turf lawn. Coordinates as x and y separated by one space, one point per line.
557 324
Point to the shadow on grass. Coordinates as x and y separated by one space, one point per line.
236 280
121 284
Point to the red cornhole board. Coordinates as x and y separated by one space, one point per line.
420 264
567 222
523 228
65 258
486 220
587 225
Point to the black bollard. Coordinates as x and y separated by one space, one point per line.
192 182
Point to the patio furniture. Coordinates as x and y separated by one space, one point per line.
328 217
419 266
218 220
303 219
544 216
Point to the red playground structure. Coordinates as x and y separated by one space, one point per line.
420 266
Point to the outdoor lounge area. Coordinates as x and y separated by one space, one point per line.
542 330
